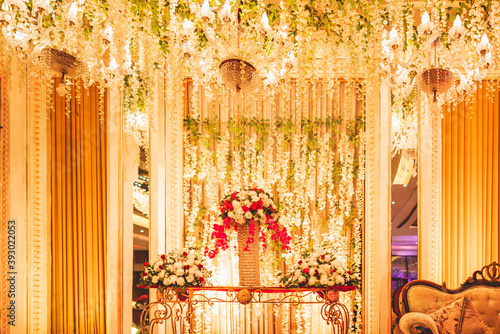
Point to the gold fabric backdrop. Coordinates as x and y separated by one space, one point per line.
78 186
471 185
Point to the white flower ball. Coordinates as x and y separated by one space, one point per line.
190 279
166 281
155 279
198 273
178 265
252 193
255 199
323 280
303 265
328 258
161 275
192 270
230 214
248 215
330 282
302 279
179 272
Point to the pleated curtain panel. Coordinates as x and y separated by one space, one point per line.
78 189
471 184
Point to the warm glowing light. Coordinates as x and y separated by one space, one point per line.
264 20
112 64
458 22
187 24
484 39
425 18
73 11
394 33
205 7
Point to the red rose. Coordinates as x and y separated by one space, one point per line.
185 254
187 267
146 263
349 272
322 257
306 270
200 266
300 261
144 274
161 267
163 257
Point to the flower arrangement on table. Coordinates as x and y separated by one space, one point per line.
178 269
255 208
319 269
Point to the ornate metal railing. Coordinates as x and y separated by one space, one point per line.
177 309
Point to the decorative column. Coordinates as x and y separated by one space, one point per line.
38 244
377 236
429 191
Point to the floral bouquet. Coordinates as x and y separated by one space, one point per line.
252 207
319 269
177 269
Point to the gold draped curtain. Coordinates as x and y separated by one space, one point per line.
471 184
78 186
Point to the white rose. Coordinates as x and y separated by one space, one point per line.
236 204
248 215
192 270
323 280
230 214
255 199
179 272
328 258
181 281
178 265
302 279
198 273
155 279
312 281
162 274
170 261
339 279
330 282
192 257
337 263
252 193
261 213
321 251
239 211
157 266
166 281
190 262
173 279
190 279
303 265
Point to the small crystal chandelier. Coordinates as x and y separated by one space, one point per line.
435 66
61 45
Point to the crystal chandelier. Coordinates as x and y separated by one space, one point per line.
440 66
69 40
241 63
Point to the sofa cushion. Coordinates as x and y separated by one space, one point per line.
485 299
447 318
472 321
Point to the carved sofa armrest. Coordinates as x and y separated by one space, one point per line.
415 322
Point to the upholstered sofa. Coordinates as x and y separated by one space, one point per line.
426 307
